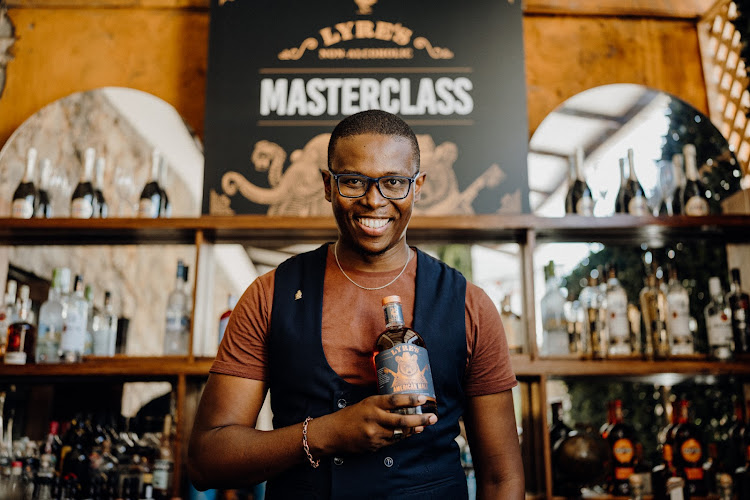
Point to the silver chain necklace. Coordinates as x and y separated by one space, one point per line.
336 255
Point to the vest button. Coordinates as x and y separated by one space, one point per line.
341 403
338 461
388 462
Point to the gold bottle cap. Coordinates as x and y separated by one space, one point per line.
391 298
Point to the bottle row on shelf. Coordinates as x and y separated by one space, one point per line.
679 190
603 323
686 467
33 196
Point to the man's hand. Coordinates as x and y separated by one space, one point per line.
368 425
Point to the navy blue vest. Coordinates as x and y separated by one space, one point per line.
302 383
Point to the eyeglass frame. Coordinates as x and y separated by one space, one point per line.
376 181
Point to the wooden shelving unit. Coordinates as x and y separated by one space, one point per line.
188 372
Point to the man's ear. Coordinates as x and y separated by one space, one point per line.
418 185
326 183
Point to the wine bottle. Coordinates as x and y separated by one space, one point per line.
739 303
621 438
401 360
102 207
25 196
635 197
579 199
718 317
679 174
694 194
43 206
151 196
621 206
83 204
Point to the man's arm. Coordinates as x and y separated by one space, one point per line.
226 450
491 431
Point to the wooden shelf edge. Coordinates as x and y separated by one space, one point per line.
118 366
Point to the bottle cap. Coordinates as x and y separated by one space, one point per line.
714 286
391 298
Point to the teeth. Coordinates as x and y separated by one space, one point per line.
373 223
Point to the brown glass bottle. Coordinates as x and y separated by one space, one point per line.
621 438
688 452
401 361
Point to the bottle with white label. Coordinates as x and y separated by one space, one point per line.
618 326
76 315
25 196
83 204
678 317
150 204
719 322
694 193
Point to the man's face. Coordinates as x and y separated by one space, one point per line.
372 224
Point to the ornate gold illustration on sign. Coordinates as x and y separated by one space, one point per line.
296 52
298 190
365 6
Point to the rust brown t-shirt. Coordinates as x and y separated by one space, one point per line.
353 319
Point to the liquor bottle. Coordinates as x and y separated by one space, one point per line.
83 203
552 305
187 289
401 360
25 196
109 325
512 326
654 311
574 323
21 333
92 321
688 452
666 470
725 486
595 326
635 197
44 206
607 426
165 207
679 173
150 203
101 203
44 481
557 430
621 205
224 318
718 322
164 464
739 303
177 330
636 487
694 194
7 312
50 326
76 461
53 444
678 317
738 436
73 339
579 199
618 326
15 489
621 439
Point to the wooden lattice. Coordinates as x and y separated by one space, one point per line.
726 78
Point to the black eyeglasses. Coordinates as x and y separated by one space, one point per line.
392 187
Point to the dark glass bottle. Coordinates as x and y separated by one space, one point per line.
621 438
739 303
742 477
579 199
76 463
738 436
401 360
694 194
634 198
620 203
102 207
165 208
44 206
25 196
83 204
688 452
21 343
558 430
150 204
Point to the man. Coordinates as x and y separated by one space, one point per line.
307 331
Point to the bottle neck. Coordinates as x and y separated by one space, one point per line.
28 174
631 166
691 169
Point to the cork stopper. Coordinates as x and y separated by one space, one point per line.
391 298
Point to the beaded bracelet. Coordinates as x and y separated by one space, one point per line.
306 447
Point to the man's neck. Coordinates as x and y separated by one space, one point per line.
354 258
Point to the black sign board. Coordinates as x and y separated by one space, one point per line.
282 73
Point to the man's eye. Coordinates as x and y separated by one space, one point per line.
352 181
394 182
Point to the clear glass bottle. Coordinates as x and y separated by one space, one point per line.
101 204
401 360
50 327
92 321
579 199
44 205
512 326
101 328
150 203
678 317
594 334
554 330
109 325
7 312
618 325
25 196
574 323
76 308
739 303
21 332
654 311
83 202
177 332
718 317
694 193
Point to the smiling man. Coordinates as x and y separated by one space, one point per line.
307 330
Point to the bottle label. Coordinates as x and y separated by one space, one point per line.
22 209
162 474
719 328
404 369
585 206
638 206
80 208
667 453
678 324
624 473
691 451
694 473
623 451
617 318
147 209
696 206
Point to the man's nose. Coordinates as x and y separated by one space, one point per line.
372 196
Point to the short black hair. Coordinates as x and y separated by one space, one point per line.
373 121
